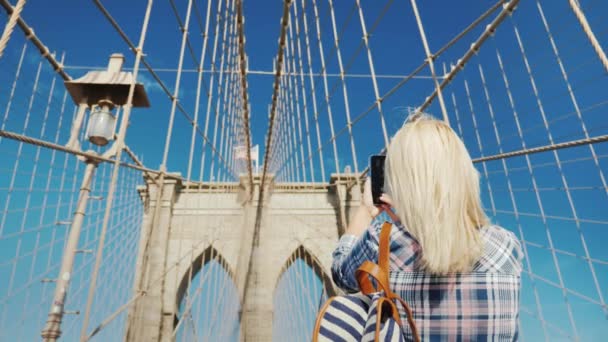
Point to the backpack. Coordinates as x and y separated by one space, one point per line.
370 315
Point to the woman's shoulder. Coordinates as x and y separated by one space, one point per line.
502 251
496 232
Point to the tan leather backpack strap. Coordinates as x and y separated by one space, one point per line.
410 318
365 284
384 249
380 308
384 264
369 269
320 315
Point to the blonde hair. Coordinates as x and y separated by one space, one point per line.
435 189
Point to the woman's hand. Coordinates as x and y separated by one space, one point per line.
387 203
367 211
367 200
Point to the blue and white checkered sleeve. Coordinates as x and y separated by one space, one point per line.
350 254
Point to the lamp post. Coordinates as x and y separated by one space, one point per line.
102 91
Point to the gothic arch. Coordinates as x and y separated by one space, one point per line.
208 255
305 255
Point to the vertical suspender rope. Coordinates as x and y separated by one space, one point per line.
11 187
201 283
228 90
220 294
226 302
573 97
221 85
233 104
239 137
222 94
235 123
373 74
272 160
285 141
558 162
534 183
15 168
372 71
185 32
292 112
12 93
30 189
211 80
244 89
287 162
344 91
120 141
325 87
291 274
310 283
279 152
286 144
215 287
430 58
52 180
327 101
290 153
304 291
163 167
301 280
175 96
312 87
297 103
189 296
511 195
276 91
268 144
198 90
489 30
213 255
302 85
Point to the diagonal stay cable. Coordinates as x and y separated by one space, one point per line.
29 34
244 89
268 146
410 76
10 25
154 75
88 155
182 28
472 51
275 95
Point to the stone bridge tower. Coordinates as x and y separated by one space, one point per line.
219 219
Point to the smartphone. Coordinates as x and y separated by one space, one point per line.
376 165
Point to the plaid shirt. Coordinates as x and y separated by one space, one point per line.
482 305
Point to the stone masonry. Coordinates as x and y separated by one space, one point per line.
190 218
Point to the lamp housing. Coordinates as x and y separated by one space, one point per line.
102 124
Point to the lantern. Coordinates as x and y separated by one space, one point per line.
103 90
102 124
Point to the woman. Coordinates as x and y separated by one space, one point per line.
459 273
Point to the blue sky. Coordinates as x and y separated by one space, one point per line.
87 39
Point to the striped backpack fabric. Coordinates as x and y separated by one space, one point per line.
370 315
